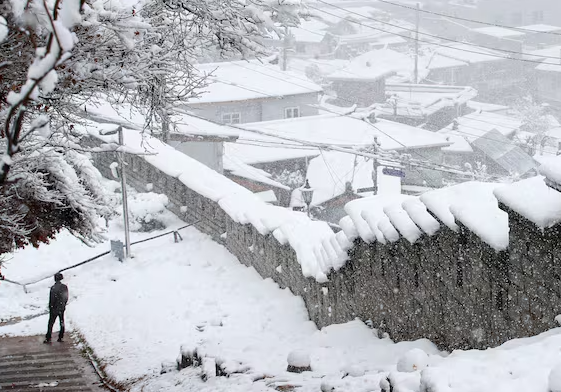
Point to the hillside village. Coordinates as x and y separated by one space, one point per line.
301 196
480 100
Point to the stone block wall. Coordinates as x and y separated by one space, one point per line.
451 288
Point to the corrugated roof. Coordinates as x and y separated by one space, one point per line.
507 155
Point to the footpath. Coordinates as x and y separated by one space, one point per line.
26 364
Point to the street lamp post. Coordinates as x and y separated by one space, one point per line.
123 176
307 194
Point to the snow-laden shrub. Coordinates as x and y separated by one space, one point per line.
147 211
298 361
412 361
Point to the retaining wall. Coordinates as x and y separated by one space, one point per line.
450 288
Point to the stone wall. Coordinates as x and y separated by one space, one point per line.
450 288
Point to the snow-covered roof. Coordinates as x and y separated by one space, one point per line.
421 100
550 51
348 131
550 65
312 30
498 32
329 173
314 242
255 152
245 80
468 54
374 65
542 28
132 117
486 107
240 169
356 11
475 125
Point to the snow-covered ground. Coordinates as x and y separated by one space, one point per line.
137 314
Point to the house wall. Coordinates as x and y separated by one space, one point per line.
548 87
362 93
258 109
208 153
250 110
424 177
450 288
273 109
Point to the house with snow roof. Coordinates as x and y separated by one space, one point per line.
489 72
355 133
248 91
433 106
363 80
483 138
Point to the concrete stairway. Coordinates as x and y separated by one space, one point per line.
26 365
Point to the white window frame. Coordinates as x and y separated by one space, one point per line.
292 110
232 118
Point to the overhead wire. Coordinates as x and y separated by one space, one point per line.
521 29
433 35
442 45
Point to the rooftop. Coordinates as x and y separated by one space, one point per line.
348 131
498 32
375 65
419 100
542 28
477 124
244 80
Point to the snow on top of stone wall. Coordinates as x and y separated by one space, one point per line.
552 169
317 250
418 213
381 218
532 199
478 210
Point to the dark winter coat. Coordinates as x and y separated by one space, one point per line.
58 298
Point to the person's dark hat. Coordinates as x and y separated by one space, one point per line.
58 277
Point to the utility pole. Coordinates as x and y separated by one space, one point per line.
123 175
417 22
285 49
124 193
375 166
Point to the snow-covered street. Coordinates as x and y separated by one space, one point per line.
138 314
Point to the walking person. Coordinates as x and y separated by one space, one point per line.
57 305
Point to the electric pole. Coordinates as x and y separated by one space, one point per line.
417 21
285 49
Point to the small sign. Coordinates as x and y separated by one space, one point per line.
394 172
117 250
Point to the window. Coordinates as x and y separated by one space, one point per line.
231 118
516 18
291 112
537 16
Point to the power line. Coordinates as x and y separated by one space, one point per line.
327 147
444 46
377 128
521 29
432 35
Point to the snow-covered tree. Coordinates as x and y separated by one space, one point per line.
56 55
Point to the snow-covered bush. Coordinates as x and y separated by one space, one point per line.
298 361
412 361
147 212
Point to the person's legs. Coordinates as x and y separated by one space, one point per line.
52 318
61 320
